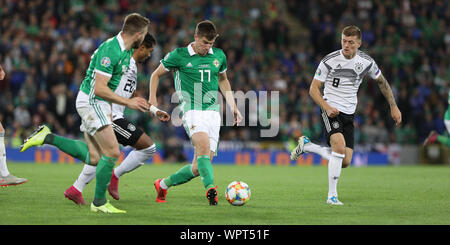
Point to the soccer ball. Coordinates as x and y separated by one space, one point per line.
237 193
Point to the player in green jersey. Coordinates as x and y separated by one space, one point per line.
126 132
434 136
108 63
199 73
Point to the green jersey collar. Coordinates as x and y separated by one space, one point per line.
121 43
192 52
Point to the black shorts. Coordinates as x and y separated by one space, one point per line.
126 132
342 123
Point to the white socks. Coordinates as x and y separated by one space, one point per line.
324 152
135 159
334 171
3 168
86 176
334 164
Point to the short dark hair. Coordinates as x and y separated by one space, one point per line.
134 23
352 31
149 41
206 29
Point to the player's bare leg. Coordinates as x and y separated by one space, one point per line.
348 157
194 162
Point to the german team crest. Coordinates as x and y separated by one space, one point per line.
131 127
105 61
335 124
216 63
358 67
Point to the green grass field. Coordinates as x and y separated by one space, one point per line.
416 195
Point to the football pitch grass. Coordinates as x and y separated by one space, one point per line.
281 195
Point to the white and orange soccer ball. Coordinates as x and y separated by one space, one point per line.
237 193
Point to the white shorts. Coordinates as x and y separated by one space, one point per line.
195 121
93 116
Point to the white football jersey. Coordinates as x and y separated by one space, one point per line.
342 78
126 88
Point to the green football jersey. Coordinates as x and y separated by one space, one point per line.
110 59
196 77
447 113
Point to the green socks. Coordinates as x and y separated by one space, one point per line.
103 176
443 140
180 177
75 148
79 150
185 173
206 171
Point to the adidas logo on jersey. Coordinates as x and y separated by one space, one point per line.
189 64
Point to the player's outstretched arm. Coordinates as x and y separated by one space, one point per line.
316 95
154 82
103 91
387 92
225 88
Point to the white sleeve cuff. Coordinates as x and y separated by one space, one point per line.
103 73
164 66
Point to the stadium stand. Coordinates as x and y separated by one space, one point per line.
45 48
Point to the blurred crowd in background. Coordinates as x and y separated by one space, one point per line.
45 48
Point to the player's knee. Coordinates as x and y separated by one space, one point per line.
112 152
93 159
339 148
202 148
148 143
144 142
337 144
115 154
201 143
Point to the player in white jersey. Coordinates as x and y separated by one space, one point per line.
126 133
342 72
